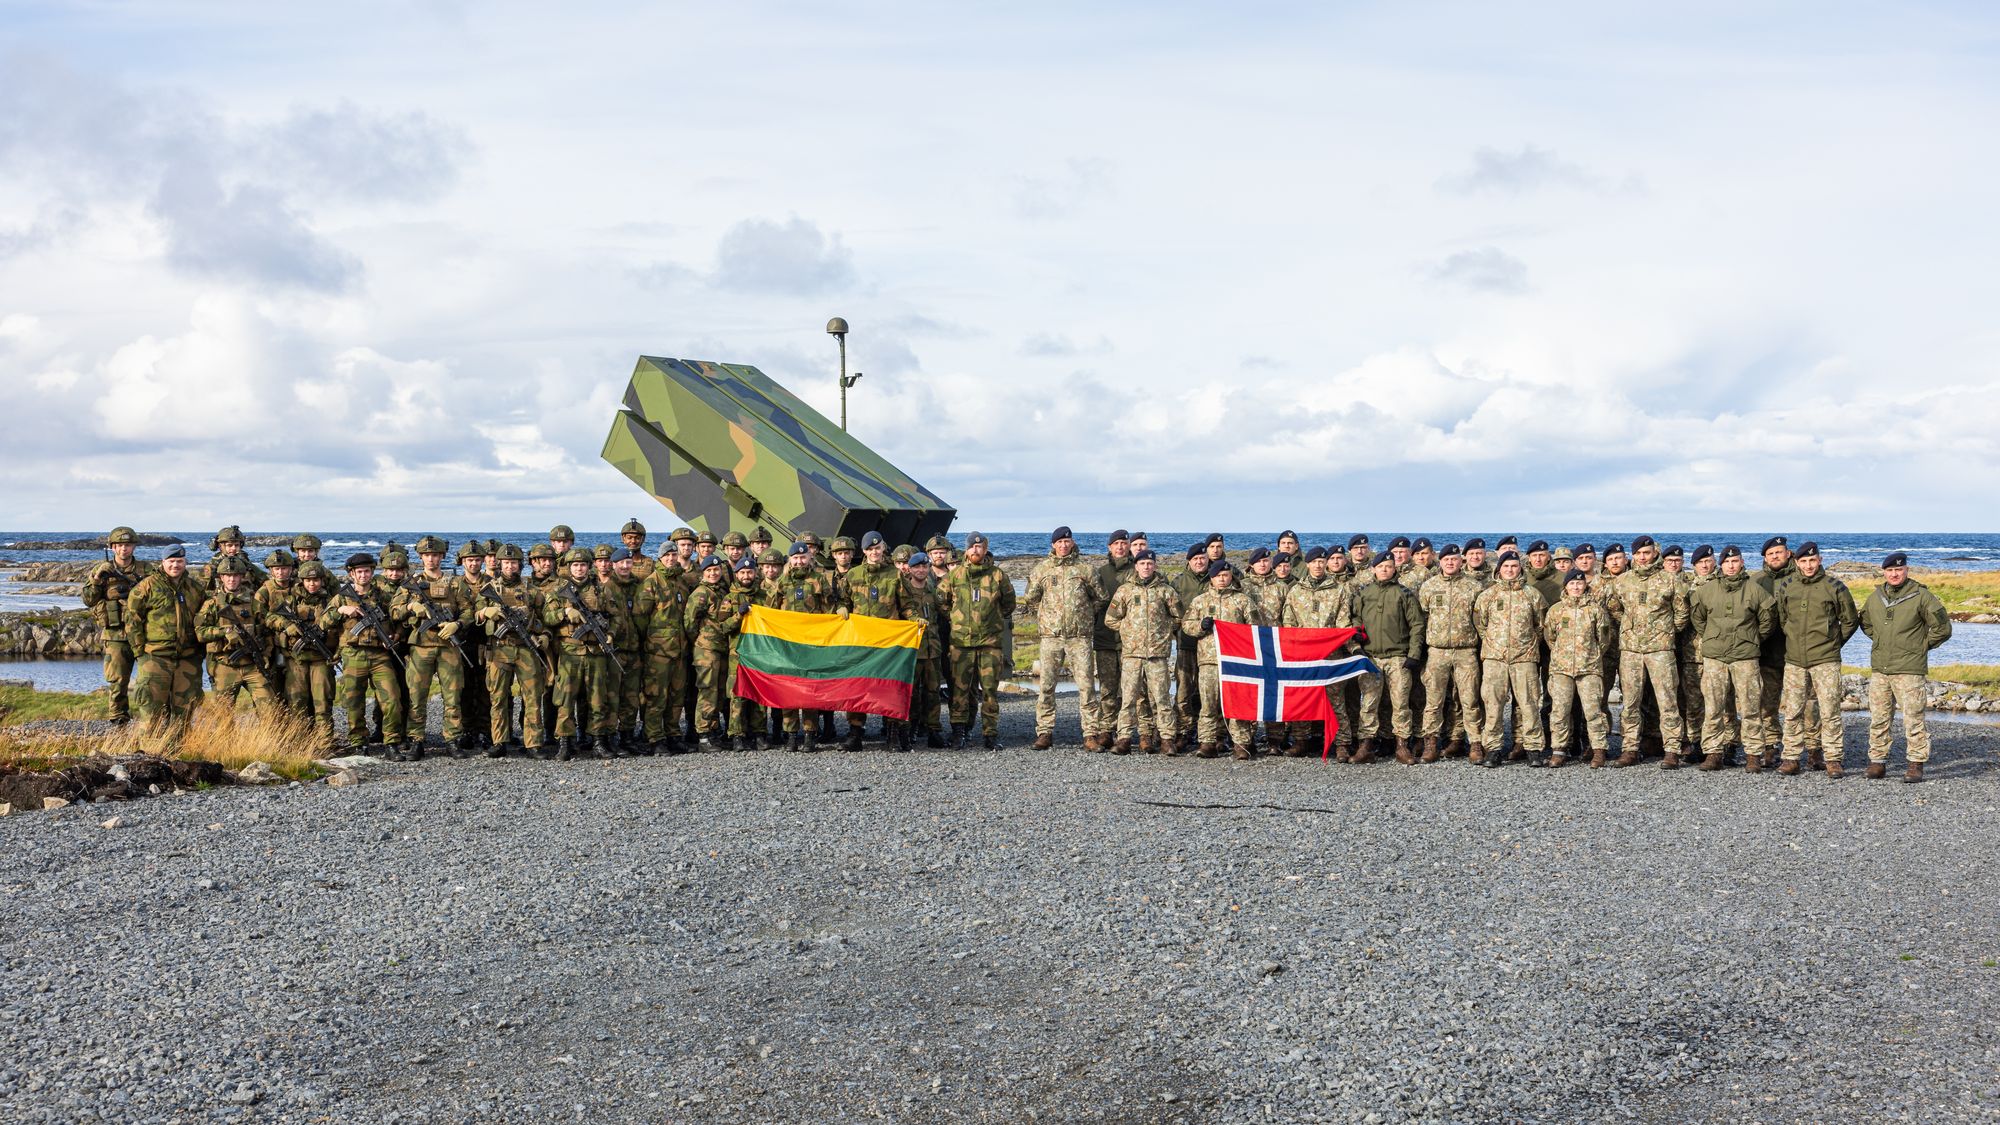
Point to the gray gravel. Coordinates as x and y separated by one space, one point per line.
1013 936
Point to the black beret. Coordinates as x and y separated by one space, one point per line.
1117 535
175 552
1288 535
1382 557
1420 544
1809 547
1450 551
1582 549
1475 544
1614 548
1506 541
362 559
1140 535
1195 550
1221 567
1895 558
1213 537
1702 552
1258 555
1773 541
1402 541
1357 540
1313 553
1643 541
1284 558
1060 533
1730 552
1507 556
1575 576
1672 552
1538 545
1142 556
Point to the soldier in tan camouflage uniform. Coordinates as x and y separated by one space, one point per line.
1651 609
1905 622
1113 572
1317 602
1508 616
1578 632
1222 601
1452 641
1065 596
104 594
1146 611
1816 616
1189 584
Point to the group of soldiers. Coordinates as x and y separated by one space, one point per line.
1711 659
1493 656
603 652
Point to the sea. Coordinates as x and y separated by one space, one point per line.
1970 644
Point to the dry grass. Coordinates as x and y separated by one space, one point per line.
230 738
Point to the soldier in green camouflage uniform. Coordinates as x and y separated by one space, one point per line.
746 716
802 587
228 543
283 582
633 536
920 603
1189 584
435 609
1317 602
1224 600
367 660
510 610
661 614
104 593
1578 632
293 617
1064 594
710 626
160 617
395 570
978 602
872 587
1113 572
237 641
584 673
1508 617
1452 641
629 711
305 548
474 708
1146 610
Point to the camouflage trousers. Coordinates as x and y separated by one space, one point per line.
630 714
232 680
1393 683
1693 711
975 674
1810 709
585 694
1566 692
1738 684
1772 682
1451 673
1144 709
1212 725
440 663
309 690
118 665
1888 694
1076 655
1346 709
664 681
924 695
473 705
1110 690
362 669
1660 671
1521 683
711 688
511 668
746 716
1187 682
165 689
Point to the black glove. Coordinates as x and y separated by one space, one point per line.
1207 626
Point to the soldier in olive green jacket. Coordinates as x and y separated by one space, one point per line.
1394 621
1732 615
1905 621
977 602
1816 616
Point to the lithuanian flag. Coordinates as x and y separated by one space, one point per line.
819 662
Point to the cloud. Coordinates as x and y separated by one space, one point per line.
793 257
1060 196
1055 344
1485 270
1529 170
348 153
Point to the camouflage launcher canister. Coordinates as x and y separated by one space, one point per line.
726 449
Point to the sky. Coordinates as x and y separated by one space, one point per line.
377 265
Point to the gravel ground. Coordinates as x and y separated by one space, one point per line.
1013 936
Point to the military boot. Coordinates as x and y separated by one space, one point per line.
990 742
413 750
853 741
906 738
1458 748
960 735
1403 754
1815 758
1672 761
1628 758
1364 753
1712 762
933 739
565 747
1834 770
1044 741
795 743
461 747
1789 767
601 747
1207 750
1090 744
1597 758
1431 750
1121 746
743 743
501 750
1753 763
1876 771
1167 747
1490 761
1477 755
1539 760
1242 752
1558 760
1297 749
1914 774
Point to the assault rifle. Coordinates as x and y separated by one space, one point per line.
514 621
310 634
434 616
371 616
593 629
247 639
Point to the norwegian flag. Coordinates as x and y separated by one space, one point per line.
1277 675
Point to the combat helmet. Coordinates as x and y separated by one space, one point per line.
230 534
432 545
633 526
122 535
735 539
602 551
771 557
562 531
538 551
680 533
575 555
761 535
902 553
315 569
395 558
305 541
938 543
232 564
473 549
280 557
510 551
841 543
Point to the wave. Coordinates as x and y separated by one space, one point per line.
353 543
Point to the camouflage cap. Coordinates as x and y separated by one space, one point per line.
1563 554
397 558
602 551
473 549
760 535
315 569
841 543
538 551
632 527
735 539
771 557
902 554
432 545
938 543
680 533
508 551
575 555
232 564
305 542
123 535
281 557
561 531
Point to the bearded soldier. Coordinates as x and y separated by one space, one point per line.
1146 610
237 641
104 594
978 601
160 617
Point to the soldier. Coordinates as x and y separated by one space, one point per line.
160 617
1189 584
561 541
1393 618
1778 569
1508 616
237 641
510 610
1224 600
1578 632
545 574
435 608
709 628
104 594
228 543
294 617
842 552
660 612
746 718
1476 565
1358 554
305 548
1214 548
1732 615
395 572
1542 572
1452 640
282 584
600 563
1258 582
359 613
579 614
1651 609
1616 562
1113 572
1146 610
870 588
1065 596
1904 621
735 548
803 588
1421 565
633 535
1687 656
681 539
1816 616
921 603
474 708
771 566
1288 544
760 541
977 601
1318 602
940 551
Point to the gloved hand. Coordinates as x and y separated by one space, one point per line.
843 613
293 635
350 610
490 614
1207 626
448 629
573 615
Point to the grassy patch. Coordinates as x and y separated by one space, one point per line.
1986 677
25 704
1961 591
226 736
